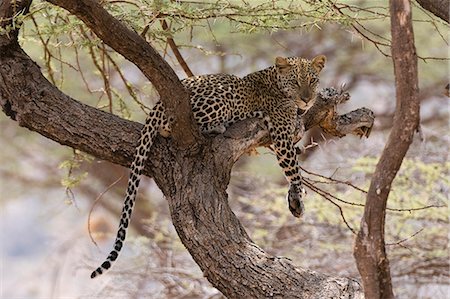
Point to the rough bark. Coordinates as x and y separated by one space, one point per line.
370 251
440 8
194 184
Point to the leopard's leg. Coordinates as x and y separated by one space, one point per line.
281 127
154 120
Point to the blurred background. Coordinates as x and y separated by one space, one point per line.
60 207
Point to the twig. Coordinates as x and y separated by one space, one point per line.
325 195
126 83
311 181
333 180
415 209
406 239
175 51
95 203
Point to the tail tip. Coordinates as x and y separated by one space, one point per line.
105 266
96 273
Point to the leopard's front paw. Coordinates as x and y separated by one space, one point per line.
294 198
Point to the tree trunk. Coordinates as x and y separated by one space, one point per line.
194 182
370 251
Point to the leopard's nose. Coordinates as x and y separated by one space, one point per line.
305 99
305 95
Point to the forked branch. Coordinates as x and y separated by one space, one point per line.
134 48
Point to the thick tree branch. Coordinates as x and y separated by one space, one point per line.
27 97
370 251
134 48
440 8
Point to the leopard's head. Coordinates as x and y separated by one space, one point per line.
298 78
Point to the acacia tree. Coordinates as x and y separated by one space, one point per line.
180 165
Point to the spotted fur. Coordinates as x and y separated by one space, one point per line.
220 100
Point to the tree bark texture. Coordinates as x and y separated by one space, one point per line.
369 251
440 8
194 184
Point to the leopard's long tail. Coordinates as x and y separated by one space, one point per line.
148 133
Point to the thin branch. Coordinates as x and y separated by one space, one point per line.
175 50
96 201
406 239
126 83
333 180
377 44
326 195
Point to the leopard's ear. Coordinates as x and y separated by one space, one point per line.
318 62
282 64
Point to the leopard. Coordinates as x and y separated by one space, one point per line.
275 94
